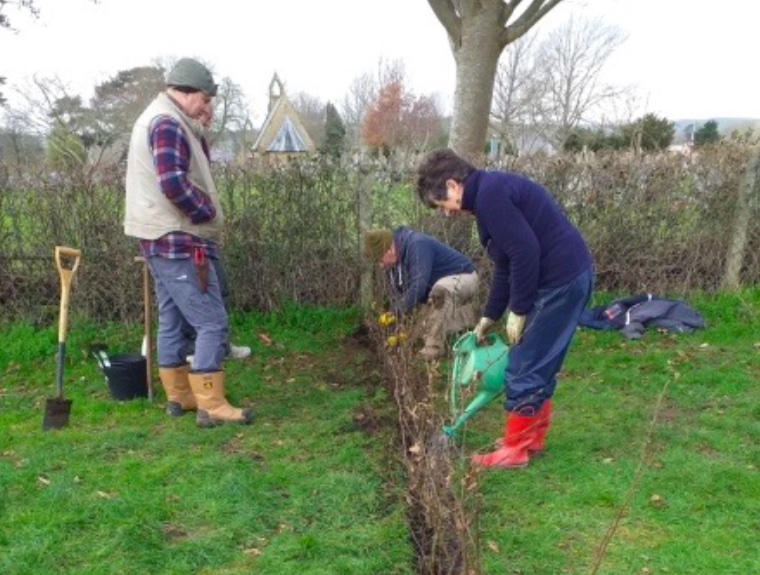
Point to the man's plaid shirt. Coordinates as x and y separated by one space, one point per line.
171 154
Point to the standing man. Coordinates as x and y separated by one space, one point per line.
543 277
420 269
173 208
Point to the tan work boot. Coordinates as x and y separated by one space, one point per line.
213 408
179 396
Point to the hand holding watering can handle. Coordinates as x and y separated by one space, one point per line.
480 330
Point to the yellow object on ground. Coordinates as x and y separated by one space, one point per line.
396 340
386 319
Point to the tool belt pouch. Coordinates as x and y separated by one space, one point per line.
203 275
201 268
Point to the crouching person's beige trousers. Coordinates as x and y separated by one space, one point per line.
450 309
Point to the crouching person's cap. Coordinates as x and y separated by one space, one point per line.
376 243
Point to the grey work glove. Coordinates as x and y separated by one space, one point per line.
515 328
480 330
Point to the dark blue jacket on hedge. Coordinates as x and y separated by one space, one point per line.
527 236
422 261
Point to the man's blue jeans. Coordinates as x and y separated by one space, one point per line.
531 376
180 302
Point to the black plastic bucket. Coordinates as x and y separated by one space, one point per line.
127 376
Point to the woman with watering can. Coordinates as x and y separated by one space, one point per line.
543 277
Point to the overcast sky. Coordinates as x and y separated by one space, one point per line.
688 59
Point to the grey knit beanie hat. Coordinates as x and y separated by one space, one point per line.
189 73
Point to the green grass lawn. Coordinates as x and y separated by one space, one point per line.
124 489
653 461
652 464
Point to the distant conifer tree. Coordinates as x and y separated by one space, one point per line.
707 134
335 132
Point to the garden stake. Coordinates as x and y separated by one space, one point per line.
58 409
147 350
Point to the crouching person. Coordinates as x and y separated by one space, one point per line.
173 208
429 275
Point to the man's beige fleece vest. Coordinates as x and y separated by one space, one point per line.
149 214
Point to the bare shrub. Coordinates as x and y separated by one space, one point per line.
661 223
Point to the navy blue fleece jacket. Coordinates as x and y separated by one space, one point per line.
422 261
527 236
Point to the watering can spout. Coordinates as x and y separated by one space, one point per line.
481 400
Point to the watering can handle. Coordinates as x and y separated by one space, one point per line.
460 347
463 346
467 343
465 338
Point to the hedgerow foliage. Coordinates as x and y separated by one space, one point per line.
667 223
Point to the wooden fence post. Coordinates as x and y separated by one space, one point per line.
742 218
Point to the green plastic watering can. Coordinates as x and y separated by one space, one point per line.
476 367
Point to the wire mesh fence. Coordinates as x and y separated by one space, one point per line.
664 223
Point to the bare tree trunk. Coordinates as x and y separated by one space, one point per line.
477 58
744 211
478 31
476 61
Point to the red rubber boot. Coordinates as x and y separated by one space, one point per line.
536 447
519 433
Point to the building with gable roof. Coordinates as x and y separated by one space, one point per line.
283 134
